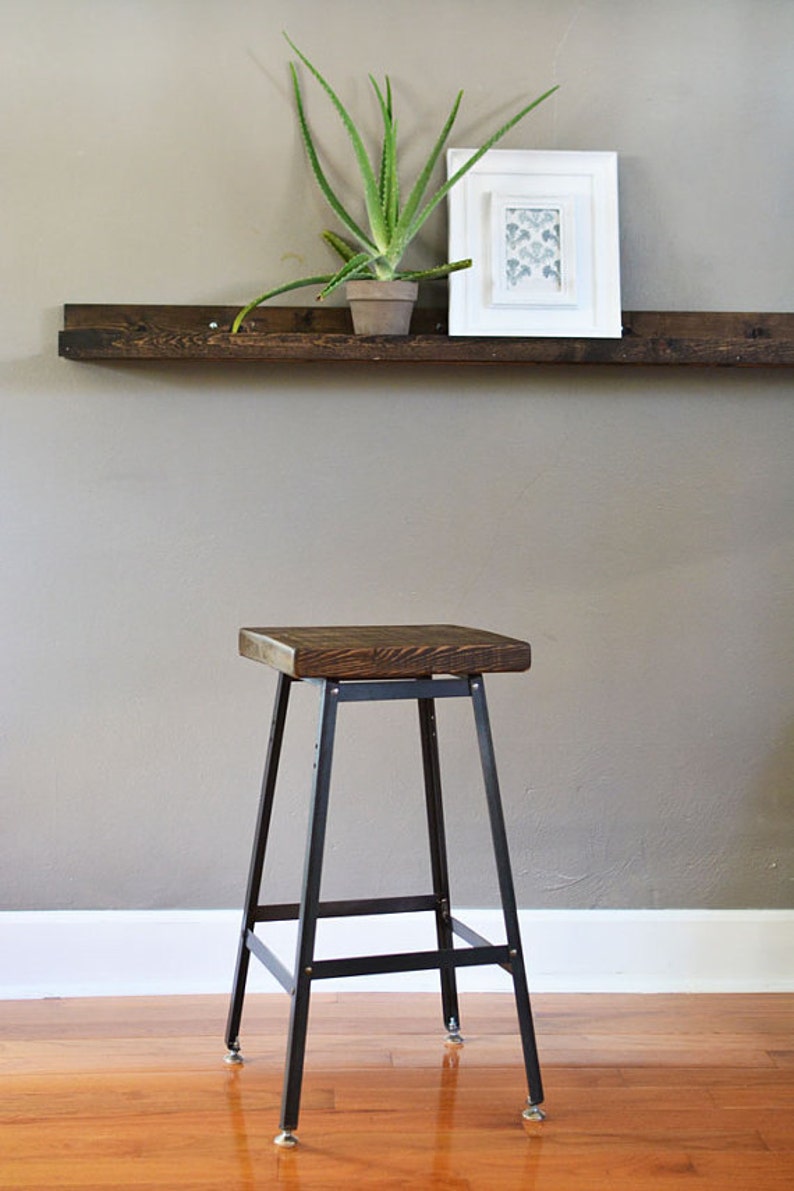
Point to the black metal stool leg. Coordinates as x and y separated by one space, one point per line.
507 892
439 865
309 907
256 866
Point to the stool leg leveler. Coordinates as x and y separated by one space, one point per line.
355 664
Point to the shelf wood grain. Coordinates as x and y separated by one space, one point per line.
323 335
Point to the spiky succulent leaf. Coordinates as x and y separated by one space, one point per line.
272 293
352 270
371 196
389 187
317 169
436 271
346 250
401 239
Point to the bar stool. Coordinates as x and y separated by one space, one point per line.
355 664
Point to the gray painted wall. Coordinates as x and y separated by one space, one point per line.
636 526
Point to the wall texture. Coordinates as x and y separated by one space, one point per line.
637 527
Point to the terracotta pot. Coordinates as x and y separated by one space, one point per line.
381 307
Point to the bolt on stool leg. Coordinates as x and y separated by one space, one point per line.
454 1036
233 1056
533 1112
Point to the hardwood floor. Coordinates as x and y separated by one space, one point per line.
642 1092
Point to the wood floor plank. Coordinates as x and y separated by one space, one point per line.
756 1172
643 1094
776 1130
730 1075
668 1050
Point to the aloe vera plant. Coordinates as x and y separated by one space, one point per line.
376 252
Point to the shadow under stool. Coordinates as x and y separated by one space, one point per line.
381 663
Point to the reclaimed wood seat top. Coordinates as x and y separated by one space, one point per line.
383 651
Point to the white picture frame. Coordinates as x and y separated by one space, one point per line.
541 227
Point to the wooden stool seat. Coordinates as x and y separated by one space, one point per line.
383 651
359 663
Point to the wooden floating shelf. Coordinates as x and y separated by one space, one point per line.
304 335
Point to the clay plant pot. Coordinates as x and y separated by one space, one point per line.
381 307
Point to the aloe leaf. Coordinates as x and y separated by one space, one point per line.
356 267
371 196
441 193
319 173
391 205
401 238
389 188
272 293
340 245
387 123
437 271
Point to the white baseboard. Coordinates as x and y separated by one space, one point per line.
132 953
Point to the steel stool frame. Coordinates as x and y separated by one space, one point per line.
446 958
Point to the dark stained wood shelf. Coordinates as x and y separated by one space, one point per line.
297 334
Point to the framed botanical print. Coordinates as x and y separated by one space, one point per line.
542 230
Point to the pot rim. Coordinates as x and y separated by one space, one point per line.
374 290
